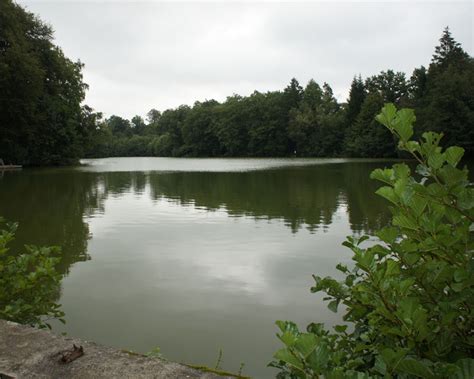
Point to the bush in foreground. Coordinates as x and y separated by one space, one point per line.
409 298
29 283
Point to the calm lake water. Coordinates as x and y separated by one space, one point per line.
194 255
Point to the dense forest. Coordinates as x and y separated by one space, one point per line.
43 120
307 121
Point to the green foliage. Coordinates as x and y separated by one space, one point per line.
29 282
155 353
268 122
365 138
41 122
231 126
408 299
390 85
448 51
306 122
442 94
197 130
447 107
357 96
316 126
218 370
119 127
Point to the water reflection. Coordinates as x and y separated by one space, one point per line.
50 209
194 261
302 197
52 205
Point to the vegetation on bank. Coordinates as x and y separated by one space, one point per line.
44 122
308 121
408 299
29 281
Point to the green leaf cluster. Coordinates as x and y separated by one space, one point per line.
408 299
42 120
29 282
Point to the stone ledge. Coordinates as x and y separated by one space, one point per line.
27 352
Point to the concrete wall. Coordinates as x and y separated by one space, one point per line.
27 352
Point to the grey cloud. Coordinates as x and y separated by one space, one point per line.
143 55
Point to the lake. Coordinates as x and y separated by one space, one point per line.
194 256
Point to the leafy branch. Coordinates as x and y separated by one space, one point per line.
407 298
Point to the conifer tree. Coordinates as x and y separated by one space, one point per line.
448 50
357 96
447 106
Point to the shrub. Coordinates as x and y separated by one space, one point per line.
408 299
29 282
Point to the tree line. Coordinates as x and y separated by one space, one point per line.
43 120
309 121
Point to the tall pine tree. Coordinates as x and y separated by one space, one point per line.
357 96
447 105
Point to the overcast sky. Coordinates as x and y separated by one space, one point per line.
140 55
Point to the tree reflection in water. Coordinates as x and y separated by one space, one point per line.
51 205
